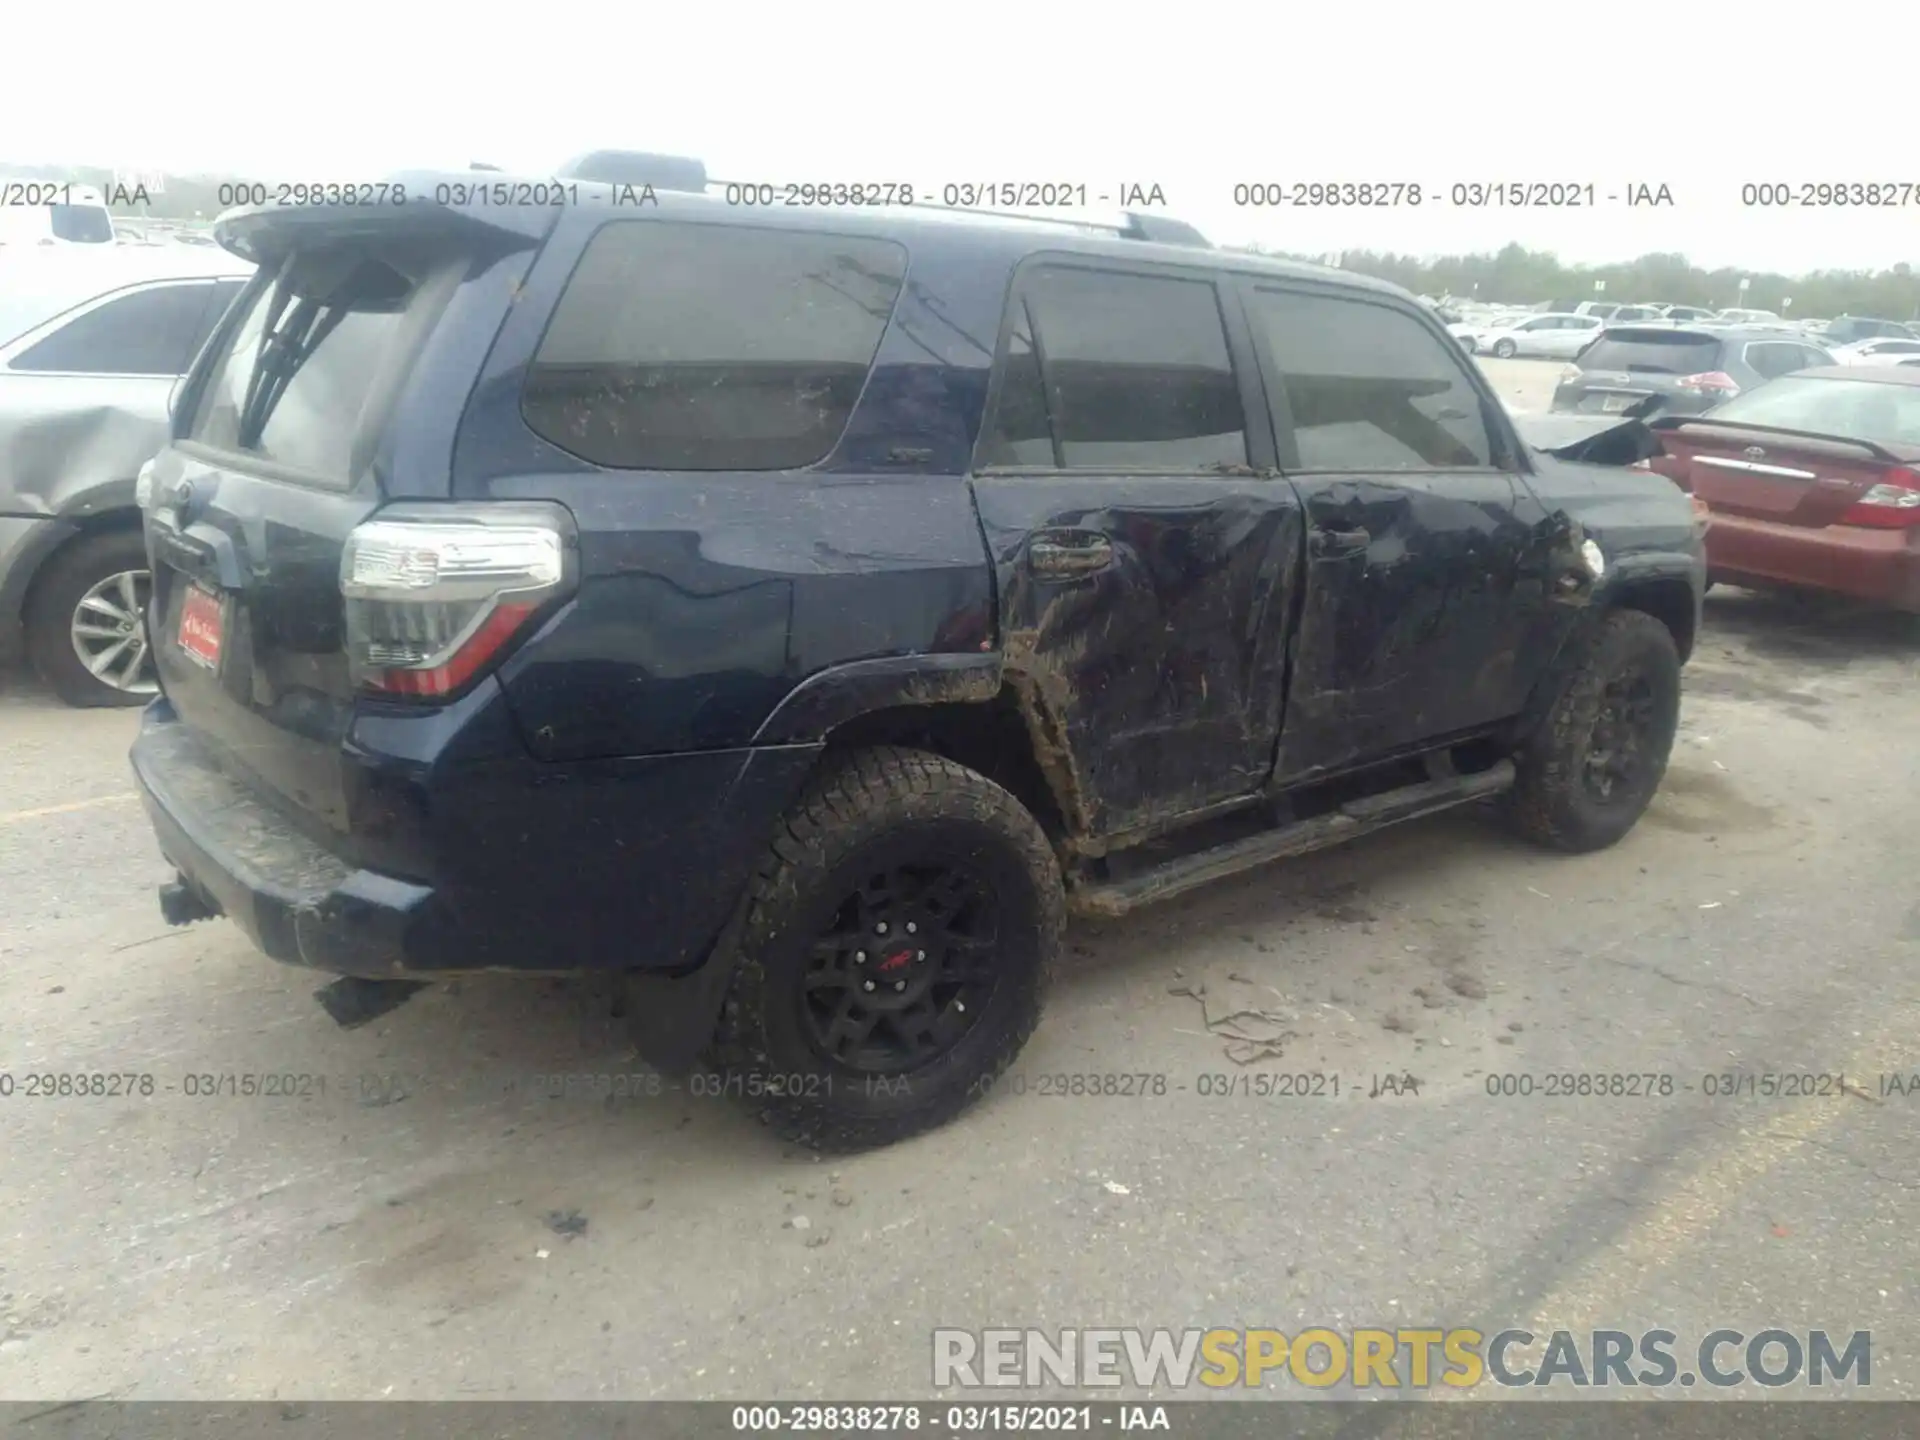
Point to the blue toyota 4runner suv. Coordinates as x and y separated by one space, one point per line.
798 613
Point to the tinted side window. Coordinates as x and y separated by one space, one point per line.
1773 360
1115 372
149 332
1369 387
711 347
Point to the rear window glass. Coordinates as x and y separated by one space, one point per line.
304 361
82 224
707 347
1652 352
1852 409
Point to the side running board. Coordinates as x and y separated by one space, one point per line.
1358 817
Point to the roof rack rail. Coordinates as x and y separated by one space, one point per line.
1155 229
637 167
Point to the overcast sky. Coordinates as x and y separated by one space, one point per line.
1191 97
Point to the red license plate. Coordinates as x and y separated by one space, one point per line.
200 627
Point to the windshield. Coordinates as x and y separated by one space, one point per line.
1853 409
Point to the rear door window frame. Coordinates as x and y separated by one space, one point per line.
1256 421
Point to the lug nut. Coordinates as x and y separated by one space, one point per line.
881 928
899 984
867 986
859 957
912 929
919 954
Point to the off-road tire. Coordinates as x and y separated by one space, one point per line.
1551 803
872 806
56 591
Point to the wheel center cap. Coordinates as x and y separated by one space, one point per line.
897 962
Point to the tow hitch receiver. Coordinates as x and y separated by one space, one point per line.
181 904
352 1000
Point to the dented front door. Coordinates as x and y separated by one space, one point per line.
1423 595
1144 552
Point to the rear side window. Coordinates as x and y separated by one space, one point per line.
1109 371
1369 387
1653 352
305 361
1773 359
711 347
152 331
81 224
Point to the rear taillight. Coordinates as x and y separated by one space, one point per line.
1893 504
434 594
1710 382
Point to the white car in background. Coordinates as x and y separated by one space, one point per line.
1555 337
51 213
1882 351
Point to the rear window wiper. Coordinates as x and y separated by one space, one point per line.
283 350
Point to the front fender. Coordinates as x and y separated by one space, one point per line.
1670 585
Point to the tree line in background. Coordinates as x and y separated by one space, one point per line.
1513 276
1519 276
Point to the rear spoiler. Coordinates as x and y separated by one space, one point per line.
263 234
1853 442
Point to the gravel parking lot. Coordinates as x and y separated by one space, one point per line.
424 1220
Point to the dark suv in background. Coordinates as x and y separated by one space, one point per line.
1691 368
1846 329
797 612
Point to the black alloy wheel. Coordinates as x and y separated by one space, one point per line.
904 970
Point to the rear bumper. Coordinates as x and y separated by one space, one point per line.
613 866
1878 566
298 902
1578 399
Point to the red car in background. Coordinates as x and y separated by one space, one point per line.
1810 481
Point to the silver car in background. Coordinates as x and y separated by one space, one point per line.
92 342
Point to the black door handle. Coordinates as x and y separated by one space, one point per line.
1069 558
1329 544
